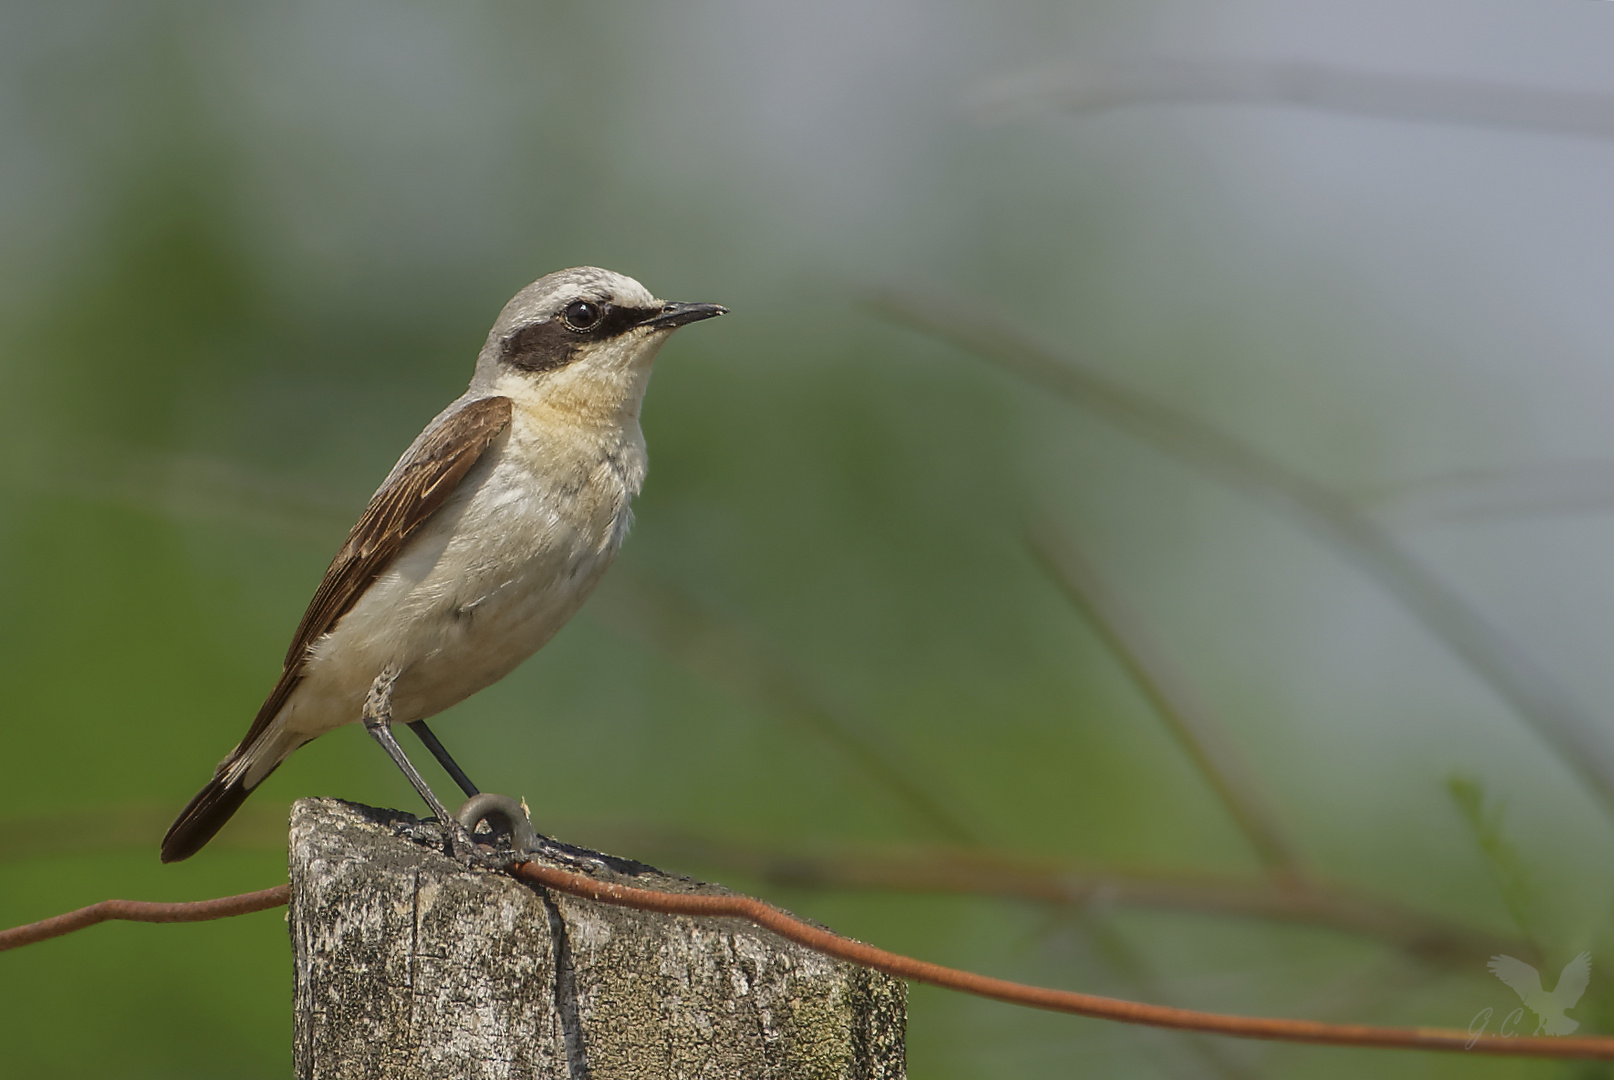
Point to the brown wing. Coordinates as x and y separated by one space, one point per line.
420 485
415 490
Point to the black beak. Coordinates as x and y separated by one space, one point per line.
674 315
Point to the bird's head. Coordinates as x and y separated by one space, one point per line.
582 338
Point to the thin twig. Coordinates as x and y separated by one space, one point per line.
1552 488
259 825
1564 724
973 872
1374 987
197 487
1096 87
1193 724
685 630
1137 979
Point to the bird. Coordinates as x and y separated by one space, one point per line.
1549 1008
487 536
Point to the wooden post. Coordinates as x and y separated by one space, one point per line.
409 965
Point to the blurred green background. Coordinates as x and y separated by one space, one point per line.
246 251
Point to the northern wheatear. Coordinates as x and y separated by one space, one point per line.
488 534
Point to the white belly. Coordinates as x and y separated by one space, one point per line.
485 583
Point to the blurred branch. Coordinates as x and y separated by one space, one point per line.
260 825
1005 875
1563 724
1136 978
1097 87
196 487
1485 818
679 627
948 871
1371 990
1193 724
1571 487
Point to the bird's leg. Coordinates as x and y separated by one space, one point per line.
378 722
440 752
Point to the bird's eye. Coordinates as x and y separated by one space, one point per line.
580 314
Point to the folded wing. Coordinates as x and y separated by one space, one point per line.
417 487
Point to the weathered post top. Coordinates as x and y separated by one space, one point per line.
411 965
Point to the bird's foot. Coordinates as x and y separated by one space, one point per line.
576 858
461 845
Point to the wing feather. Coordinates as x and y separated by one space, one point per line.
417 487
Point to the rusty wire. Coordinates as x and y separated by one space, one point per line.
144 911
1067 1001
895 964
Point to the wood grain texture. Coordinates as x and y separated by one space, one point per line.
410 965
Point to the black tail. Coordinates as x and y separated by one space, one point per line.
203 817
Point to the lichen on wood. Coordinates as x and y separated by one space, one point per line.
409 964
